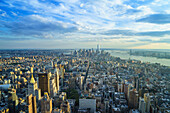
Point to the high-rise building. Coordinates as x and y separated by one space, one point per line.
126 89
147 101
142 105
133 99
34 104
0 95
142 91
32 86
44 82
32 70
38 94
80 81
137 84
98 47
53 89
12 101
46 104
31 104
56 74
62 75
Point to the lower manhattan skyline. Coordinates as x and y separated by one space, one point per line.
125 24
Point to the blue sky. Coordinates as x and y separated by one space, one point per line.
53 24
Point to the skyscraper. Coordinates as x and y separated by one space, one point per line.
31 104
13 101
56 74
142 105
32 70
98 47
46 104
44 82
53 89
32 86
62 75
133 99
147 101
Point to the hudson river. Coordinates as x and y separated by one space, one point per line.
126 55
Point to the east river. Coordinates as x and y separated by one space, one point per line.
126 55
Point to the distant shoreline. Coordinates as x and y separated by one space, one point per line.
124 54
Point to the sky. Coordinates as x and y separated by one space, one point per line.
52 24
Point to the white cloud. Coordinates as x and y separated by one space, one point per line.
88 19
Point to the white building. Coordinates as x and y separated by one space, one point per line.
33 88
142 105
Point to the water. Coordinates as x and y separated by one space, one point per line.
126 55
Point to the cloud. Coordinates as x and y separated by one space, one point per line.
156 19
119 32
132 11
155 33
3 13
38 26
145 40
85 21
162 41
135 33
12 39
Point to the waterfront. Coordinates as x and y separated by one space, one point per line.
125 55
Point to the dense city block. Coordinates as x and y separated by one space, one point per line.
80 81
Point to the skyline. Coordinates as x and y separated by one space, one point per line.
140 24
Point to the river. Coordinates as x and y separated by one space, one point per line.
125 55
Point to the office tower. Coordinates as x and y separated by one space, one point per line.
0 95
122 86
53 89
32 70
44 82
56 74
31 104
12 101
126 89
133 99
142 91
62 75
34 104
135 81
142 105
137 84
46 104
98 47
130 87
38 94
32 86
147 101
52 64
81 78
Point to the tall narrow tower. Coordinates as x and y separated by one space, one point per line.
32 86
56 73
98 47
46 104
62 75
44 82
